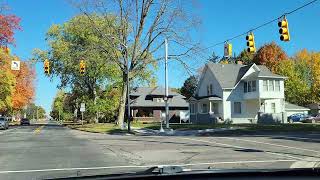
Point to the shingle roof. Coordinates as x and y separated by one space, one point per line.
289 106
178 100
228 75
264 71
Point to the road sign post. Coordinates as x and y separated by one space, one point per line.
82 109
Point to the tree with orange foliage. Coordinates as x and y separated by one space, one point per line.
8 24
24 87
270 55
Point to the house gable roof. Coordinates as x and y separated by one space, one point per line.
141 100
228 75
289 106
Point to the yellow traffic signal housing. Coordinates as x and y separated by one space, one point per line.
227 50
284 30
82 67
46 66
250 43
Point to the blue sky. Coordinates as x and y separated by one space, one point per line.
220 20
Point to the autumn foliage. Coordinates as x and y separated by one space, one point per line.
17 88
8 24
24 88
270 55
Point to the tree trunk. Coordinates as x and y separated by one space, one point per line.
96 120
122 107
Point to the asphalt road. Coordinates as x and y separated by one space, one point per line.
48 150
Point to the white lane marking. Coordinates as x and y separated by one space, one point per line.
242 147
9 130
271 144
146 166
294 137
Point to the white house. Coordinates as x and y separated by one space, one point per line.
238 93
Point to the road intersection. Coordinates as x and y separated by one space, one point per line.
50 150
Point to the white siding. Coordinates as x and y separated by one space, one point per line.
278 103
271 94
208 78
226 105
249 108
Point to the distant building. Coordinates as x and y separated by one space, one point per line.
147 105
314 108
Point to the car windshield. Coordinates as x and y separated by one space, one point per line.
104 87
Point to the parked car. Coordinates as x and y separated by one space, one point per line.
298 117
4 123
312 119
25 121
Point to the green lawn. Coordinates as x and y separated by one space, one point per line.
97 128
241 128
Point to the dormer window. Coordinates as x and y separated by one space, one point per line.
249 86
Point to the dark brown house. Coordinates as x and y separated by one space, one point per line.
147 105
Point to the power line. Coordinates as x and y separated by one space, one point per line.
260 26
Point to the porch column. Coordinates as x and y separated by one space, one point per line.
210 104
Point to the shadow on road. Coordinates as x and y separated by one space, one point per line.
237 149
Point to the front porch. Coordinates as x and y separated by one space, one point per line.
206 110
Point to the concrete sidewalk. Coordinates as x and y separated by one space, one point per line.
171 132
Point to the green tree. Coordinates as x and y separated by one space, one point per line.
189 87
57 106
297 90
143 26
76 40
245 57
214 58
7 83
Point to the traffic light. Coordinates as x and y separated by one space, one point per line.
46 67
250 43
284 30
227 50
82 67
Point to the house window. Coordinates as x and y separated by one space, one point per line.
211 90
214 108
208 90
245 87
204 108
192 108
273 107
249 86
277 85
237 107
253 86
271 85
265 85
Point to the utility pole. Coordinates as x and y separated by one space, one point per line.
128 96
166 82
